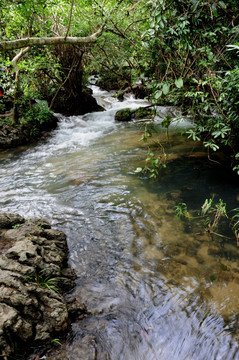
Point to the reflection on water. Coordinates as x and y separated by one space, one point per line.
144 275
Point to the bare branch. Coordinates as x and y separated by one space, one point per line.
32 41
15 60
6 115
18 57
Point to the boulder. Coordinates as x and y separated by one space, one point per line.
80 104
143 113
16 135
123 115
7 221
34 274
140 91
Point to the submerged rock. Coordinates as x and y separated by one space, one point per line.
33 275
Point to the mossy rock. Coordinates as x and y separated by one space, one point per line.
123 115
143 113
111 81
120 95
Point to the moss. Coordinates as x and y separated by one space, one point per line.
123 115
120 95
213 277
143 113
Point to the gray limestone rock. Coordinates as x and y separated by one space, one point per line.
32 278
7 221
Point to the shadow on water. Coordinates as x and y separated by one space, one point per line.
155 287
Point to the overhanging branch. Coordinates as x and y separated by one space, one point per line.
32 41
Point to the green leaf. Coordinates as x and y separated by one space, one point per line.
138 170
195 5
158 94
214 10
179 83
222 4
166 88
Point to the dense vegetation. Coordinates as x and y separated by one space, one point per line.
185 52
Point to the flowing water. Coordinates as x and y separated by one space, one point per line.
155 287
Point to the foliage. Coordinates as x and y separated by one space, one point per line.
235 224
181 211
123 115
154 162
189 65
153 165
212 212
186 53
39 113
49 282
56 341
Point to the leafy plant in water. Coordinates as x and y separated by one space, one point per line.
154 163
181 211
235 224
166 123
219 211
147 134
212 213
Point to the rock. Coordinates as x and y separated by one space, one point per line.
15 135
52 234
15 266
81 104
143 113
75 308
139 91
214 250
12 322
25 252
120 95
7 221
123 115
110 81
33 273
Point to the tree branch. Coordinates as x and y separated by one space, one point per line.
18 57
32 41
69 21
15 60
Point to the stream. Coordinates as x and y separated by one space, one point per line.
156 287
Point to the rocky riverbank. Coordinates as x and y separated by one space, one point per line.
41 121
33 277
13 136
